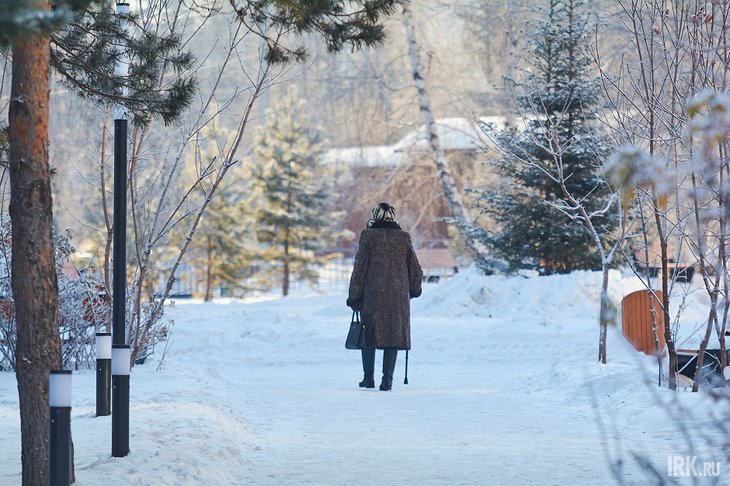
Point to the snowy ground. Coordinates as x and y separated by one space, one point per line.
504 389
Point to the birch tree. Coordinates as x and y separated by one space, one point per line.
460 214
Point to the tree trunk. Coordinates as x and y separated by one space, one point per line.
722 241
443 168
34 281
605 315
208 269
285 285
705 341
665 298
652 297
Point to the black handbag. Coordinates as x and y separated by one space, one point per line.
356 335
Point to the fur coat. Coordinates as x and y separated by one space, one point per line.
385 277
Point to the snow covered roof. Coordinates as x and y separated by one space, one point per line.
453 133
363 156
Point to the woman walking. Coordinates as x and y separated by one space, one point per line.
385 277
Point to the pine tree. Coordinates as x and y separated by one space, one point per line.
290 194
25 27
558 95
225 234
339 23
86 51
223 241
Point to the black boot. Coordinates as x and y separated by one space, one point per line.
389 357
368 368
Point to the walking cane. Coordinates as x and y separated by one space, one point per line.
405 382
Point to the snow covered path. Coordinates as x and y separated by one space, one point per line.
265 393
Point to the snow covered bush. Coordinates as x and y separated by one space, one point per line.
83 306
7 320
665 104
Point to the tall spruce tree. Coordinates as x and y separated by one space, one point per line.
291 200
222 244
225 241
558 95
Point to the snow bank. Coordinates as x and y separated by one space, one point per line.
554 298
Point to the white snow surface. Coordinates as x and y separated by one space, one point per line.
504 388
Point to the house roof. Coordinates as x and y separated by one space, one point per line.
363 156
453 133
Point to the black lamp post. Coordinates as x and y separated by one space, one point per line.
120 349
59 400
103 373
120 405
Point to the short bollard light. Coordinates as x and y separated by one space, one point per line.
103 373
120 400
59 400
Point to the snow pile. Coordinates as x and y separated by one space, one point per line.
560 299
554 298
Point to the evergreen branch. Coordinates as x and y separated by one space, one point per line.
337 23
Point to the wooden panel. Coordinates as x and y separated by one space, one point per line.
636 321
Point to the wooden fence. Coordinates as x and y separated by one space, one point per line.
636 321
